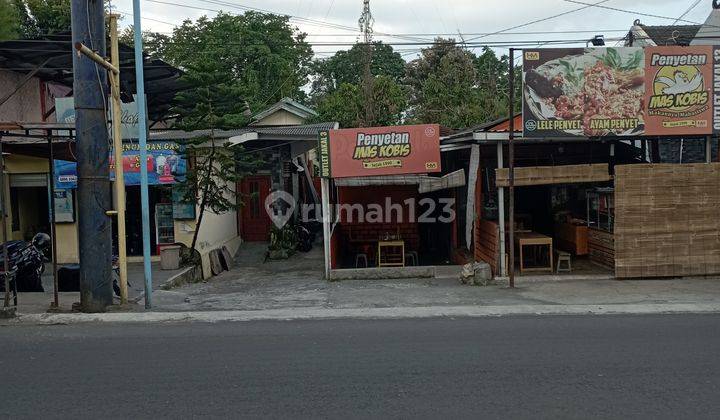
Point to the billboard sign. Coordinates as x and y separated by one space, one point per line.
625 91
678 93
373 151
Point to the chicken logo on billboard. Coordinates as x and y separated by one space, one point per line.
679 97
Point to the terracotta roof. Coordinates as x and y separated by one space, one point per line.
504 125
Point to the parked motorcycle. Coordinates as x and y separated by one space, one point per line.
26 263
306 233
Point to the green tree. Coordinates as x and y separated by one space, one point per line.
346 66
154 43
444 88
43 17
337 84
452 86
267 58
345 104
213 103
9 17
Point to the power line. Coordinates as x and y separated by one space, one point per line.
307 21
689 9
616 9
537 21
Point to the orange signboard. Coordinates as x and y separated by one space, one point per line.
678 93
372 151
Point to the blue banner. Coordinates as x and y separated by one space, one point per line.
165 166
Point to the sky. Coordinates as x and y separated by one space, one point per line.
418 21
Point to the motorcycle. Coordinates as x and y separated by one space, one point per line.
26 263
306 233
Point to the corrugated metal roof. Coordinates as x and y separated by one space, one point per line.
55 54
307 130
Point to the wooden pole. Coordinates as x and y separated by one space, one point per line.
118 155
511 167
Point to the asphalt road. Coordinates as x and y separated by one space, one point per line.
514 367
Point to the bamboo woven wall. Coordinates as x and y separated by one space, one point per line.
667 220
562 174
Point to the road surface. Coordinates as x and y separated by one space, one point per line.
510 367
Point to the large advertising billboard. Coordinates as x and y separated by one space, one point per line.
625 91
396 150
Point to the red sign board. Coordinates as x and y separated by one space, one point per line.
397 150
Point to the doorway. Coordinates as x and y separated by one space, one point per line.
159 197
255 220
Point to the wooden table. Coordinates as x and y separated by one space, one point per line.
523 239
391 254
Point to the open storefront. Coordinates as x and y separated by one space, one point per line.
386 204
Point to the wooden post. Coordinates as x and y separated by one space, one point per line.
118 155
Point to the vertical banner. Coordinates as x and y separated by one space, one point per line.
324 153
716 90
678 90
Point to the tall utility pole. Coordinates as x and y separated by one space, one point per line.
142 111
366 27
94 226
511 166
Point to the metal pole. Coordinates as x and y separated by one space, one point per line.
94 227
6 257
325 194
501 214
511 166
144 200
51 170
118 155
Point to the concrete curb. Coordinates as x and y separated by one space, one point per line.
364 313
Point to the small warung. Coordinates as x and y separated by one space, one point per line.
611 206
390 201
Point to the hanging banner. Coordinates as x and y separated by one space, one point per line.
374 151
625 91
129 118
165 165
